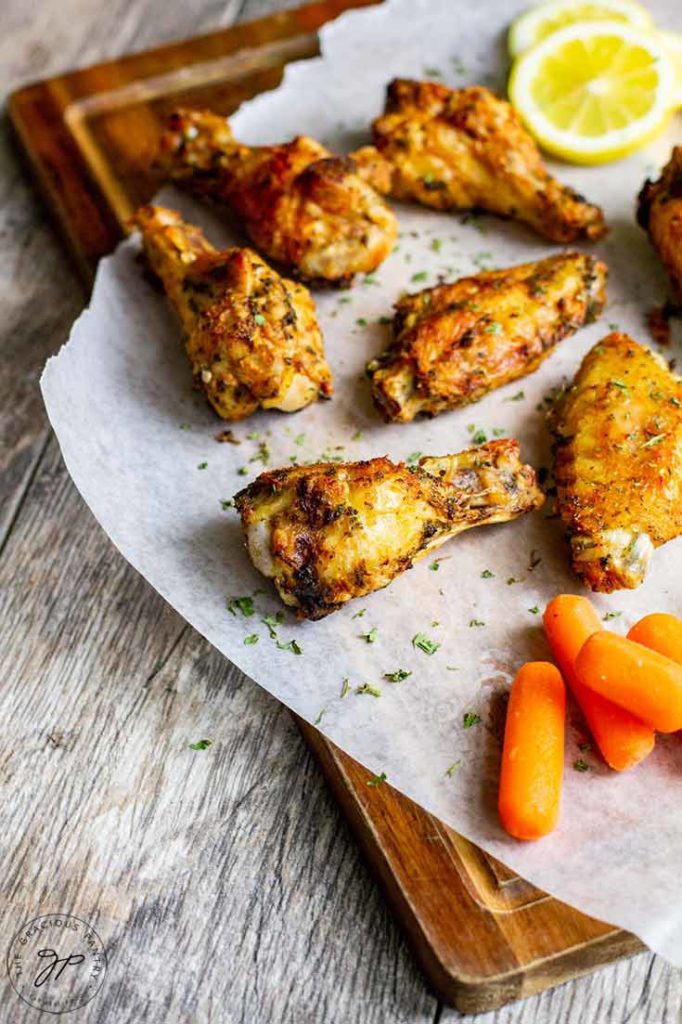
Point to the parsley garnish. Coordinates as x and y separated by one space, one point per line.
243 470
487 574
424 643
204 465
361 322
413 459
371 635
290 645
345 687
299 439
470 718
517 397
251 639
319 717
534 560
512 579
184 426
647 444
493 328
421 275
260 319
452 769
581 766
373 691
534 610
611 615
200 745
480 437
241 604
376 780
436 244
397 676
435 566
226 503
272 622
473 623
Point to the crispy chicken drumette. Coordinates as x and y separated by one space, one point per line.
328 533
660 214
463 149
455 342
251 336
618 462
301 207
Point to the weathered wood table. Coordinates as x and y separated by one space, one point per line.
223 882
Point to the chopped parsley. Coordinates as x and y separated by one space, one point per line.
487 574
241 604
581 766
435 566
361 321
475 623
320 717
345 688
470 718
493 328
226 503
452 769
371 635
290 645
373 691
358 615
534 610
243 470
647 444
299 439
184 426
512 579
200 745
421 275
423 643
272 622
251 639
376 780
619 384
533 560
204 465
436 244
397 676
517 397
260 319
413 459
480 437
611 615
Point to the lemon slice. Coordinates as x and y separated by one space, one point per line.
542 19
673 44
594 91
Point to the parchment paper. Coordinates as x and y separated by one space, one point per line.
134 437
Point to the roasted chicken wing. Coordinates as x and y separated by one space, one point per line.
455 342
660 214
301 207
463 149
618 462
251 336
328 533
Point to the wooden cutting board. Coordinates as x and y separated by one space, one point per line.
482 935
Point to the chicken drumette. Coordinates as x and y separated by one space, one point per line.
660 214
455 342
618 462
328 533
301 207
252 337
463 149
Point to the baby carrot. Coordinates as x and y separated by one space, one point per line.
660 632
533 752
623 739
643 681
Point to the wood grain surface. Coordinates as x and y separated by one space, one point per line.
223 882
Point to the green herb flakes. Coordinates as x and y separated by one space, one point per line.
204 465
476 623
260 319
607 616
397 676
470 718
251 639
371 635
345 687
200 745
373 691
487 574
413 459
453 768
377 780
290 645
241 604
580 765
424 643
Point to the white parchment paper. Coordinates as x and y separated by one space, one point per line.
135 436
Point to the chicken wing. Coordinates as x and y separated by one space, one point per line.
659 212
301 207
618 462
455 342
251 336
328 533
463 149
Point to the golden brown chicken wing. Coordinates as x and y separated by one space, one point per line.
251 336
463 149
455 342
303 208
618 462
660 214
328 533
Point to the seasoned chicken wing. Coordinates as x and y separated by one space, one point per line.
302 207
463 149
660 214
251 336
328 533
618 462
455 342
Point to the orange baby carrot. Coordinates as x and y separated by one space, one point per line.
623 739
643 681
660 632
533 752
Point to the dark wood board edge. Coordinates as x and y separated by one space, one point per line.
468 993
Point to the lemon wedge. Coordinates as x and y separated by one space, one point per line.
673 44
544 18
594 91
